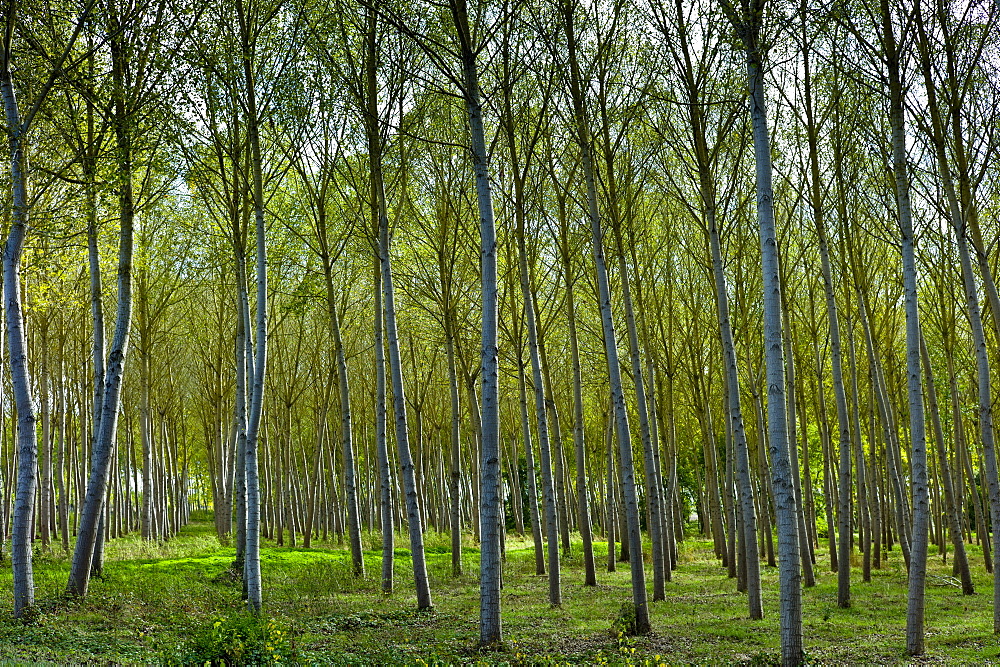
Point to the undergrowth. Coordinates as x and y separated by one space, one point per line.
180 602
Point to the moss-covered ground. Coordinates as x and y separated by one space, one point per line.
156 599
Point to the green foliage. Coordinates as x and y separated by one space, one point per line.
369 619
624 624
239 639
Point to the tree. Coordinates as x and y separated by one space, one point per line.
18 126
520 160
620 417
490 631
707 190
747 19
957 217
374 134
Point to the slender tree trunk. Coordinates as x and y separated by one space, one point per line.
863 484
748 516
383 289
560 472
491 497
541 423
96 495
960 225
529 464
836 353
583 502
61 480
807 566
982 532
413 513
985 400
961 560
652 494
729 496
764 497
918 454
548 485
381 445
639 598
27 448
885 418
455 477
829 490
579 441
346 430
256 346
44 528
790 583
145 435
609 506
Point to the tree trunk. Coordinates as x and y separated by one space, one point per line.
491 497
413 514
96 495
652 494
256 357
27 448
383 285
960 225
611 520
455 476
579 441
529 465
639 599
863 484
528 308
807 565
836 352
961 560
790 584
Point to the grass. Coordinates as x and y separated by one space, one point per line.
156 599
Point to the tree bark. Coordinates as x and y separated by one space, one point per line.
491 497
27 448
749 27
256 358
414 517
639 599
538 386
101 454
960 558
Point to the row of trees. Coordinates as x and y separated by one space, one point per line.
287 201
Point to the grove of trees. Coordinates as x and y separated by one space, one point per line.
733 271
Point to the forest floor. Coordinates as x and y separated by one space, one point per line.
171 603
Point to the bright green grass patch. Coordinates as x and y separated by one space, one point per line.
160 602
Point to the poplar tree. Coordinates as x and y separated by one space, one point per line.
747 19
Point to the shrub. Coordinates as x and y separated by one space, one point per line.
240 639
624 624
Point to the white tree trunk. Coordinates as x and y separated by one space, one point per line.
381 445
94 500
491 497
790 577
27 448
960 558
372 130
639 598
960 225
256 358
538 386
836 350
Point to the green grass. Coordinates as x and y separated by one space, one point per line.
155 599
